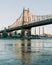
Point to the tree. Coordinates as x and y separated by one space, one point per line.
4 34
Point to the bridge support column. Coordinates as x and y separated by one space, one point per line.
26 32
26 20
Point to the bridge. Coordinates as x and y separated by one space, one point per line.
27 20
28 26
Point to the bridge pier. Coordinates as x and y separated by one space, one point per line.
26 32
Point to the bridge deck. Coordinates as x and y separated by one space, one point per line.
27 26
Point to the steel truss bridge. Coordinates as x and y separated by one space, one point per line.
28 26
27 20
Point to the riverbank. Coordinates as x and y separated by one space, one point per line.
22 38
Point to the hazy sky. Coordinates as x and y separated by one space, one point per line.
10 10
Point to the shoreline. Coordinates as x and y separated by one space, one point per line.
28 38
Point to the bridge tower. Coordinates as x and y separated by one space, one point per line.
26 20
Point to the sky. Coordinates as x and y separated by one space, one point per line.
10 10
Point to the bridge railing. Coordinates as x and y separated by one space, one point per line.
36 18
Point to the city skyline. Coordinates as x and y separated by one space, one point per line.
12 9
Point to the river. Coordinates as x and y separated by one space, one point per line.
26 52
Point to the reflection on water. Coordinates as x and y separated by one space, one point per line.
26 52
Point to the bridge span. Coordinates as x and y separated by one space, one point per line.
26 21
28 26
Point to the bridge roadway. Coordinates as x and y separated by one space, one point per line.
28 26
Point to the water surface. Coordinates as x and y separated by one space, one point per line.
26 52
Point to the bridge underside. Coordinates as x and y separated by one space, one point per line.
26 32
